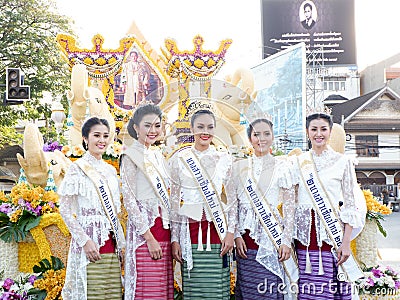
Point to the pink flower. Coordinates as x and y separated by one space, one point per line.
377 273
8 283
370 282
397 284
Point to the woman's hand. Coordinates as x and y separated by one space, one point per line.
153 245
343 252
177 252
284 252
241 247
227 244
91 251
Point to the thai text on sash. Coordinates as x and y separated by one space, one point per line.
208 194
272 226
108 205
328 214
160 187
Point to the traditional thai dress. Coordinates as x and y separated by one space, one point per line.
133 74
145 278
83 213
205 274
259 276
316 257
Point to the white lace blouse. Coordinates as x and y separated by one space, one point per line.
183 187
143 207
335 172
274 179
86 219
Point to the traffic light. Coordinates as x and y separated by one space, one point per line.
16 92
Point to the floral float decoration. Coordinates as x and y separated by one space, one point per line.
379 282
26 215
376 210
111 156
45 284
197 64
22 210
104 64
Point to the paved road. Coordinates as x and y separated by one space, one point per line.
389 247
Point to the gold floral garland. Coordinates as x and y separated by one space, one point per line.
104 64
41 243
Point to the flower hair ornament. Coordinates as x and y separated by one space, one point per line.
198 104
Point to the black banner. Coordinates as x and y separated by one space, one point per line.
320 24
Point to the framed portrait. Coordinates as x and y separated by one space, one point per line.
138 80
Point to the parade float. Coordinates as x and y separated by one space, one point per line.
34 238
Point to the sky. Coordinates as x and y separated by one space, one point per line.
377 35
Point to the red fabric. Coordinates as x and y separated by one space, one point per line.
313 239
155 278
194 232
159 232
250 243
109 246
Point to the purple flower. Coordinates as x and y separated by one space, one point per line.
10 296
8 283
21 202
377 273
32 279
370 282
51 146
396 284
5 208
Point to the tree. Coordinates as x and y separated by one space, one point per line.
27 41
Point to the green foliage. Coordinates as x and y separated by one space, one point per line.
8 136
28 41
45 265
41 268
377 217
16 232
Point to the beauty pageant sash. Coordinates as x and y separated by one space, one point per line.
349 270
210 195
153 176
106 200
269 220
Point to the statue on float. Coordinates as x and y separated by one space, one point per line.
233 98
86 101
37 163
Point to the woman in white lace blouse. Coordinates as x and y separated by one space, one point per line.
148 263
325 176
93 269
261 183
202 224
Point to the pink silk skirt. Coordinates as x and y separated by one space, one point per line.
155 278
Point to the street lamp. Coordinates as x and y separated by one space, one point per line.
58 115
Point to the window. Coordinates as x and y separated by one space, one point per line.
367 146
334 83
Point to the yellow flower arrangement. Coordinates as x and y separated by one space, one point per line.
52 282
376 210
15 216
22 209
42 248
374 205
